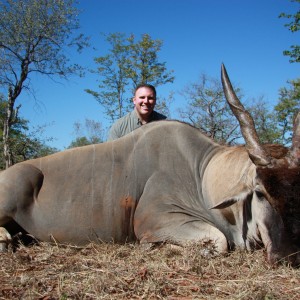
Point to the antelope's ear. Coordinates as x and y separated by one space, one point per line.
224 204
236 195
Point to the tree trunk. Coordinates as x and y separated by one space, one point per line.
11 114
8 156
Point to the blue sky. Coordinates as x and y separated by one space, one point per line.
246 35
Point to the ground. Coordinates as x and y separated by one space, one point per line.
111 271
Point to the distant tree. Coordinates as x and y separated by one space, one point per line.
30 144
144 66
265 121
113 77
128 63
34 35
163 104
208 110
91 132
286 109
24 144
79 142
293 26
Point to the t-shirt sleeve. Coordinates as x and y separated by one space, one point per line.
113 133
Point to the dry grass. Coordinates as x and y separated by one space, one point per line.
111 271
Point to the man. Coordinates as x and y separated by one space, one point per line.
144 102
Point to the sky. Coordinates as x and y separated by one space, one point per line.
198 36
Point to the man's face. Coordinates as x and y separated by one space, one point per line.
144 101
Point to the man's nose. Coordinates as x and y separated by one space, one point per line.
146 100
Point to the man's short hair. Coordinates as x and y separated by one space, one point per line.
145 85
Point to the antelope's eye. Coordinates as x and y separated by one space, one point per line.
259 195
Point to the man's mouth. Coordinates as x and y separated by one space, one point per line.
146 108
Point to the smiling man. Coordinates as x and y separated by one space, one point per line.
144 102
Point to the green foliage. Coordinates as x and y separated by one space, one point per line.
113 78
287 108
265 122
79 142
24 144
28 145
144 66
34 36
293 26
207 109
128 64
163 104
91 132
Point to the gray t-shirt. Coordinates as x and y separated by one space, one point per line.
128 123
